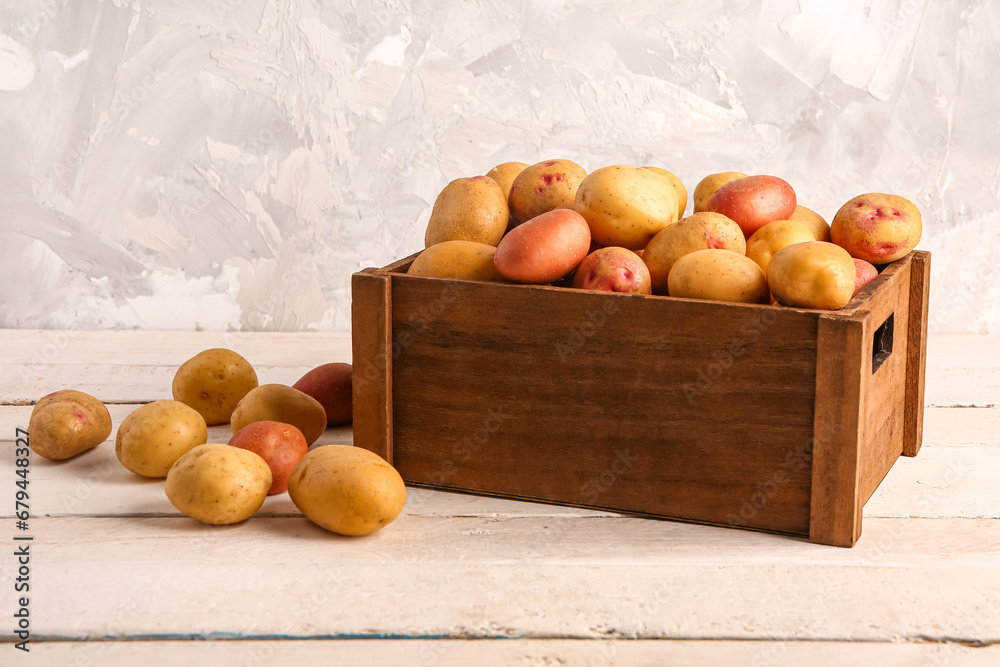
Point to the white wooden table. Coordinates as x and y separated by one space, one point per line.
118 577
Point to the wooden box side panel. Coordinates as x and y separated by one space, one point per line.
916 352
629 403
885 394
371 304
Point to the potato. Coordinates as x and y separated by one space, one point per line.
812 221
281 403
544 187
754 201
682 193
213 382
332 385
155 435
626 206
707 186
218 484
465 260
543 249
699 231
718 275
774 236
66 423
280 445
468 209
812 275
864 273
347 490
877 227
613 270
504 174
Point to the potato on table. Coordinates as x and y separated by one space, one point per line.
213 382
281 403
218 484
332 385
347 490
155 435
66 423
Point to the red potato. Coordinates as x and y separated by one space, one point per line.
331 385
613 269
877 227
543 187
280 445
545 248
754 201
864 273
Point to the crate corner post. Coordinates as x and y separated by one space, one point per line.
371 335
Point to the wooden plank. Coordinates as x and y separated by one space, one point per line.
885 387
504 652
658 410
916 353
371 322
835 508
958 480
130 366
913 579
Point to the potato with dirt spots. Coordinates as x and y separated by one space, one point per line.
213 382
468 209
718 275
347 490
626 206
155 435
66 423
878 228
281 403
543 187
218 484
699 231
464 260
707 186
812 275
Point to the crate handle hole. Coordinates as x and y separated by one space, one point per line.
882 343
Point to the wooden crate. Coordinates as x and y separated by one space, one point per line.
775 419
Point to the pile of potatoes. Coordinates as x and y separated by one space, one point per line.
347 490
622 228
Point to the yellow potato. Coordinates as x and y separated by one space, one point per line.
347 490
213 382
626 206
468 209
466 260
682 193
155 435
699 231
707 186
218 484
718 275
812 221
505 173
543 187
774 236
280 403
66 423
812 275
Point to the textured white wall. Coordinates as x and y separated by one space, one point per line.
227 164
